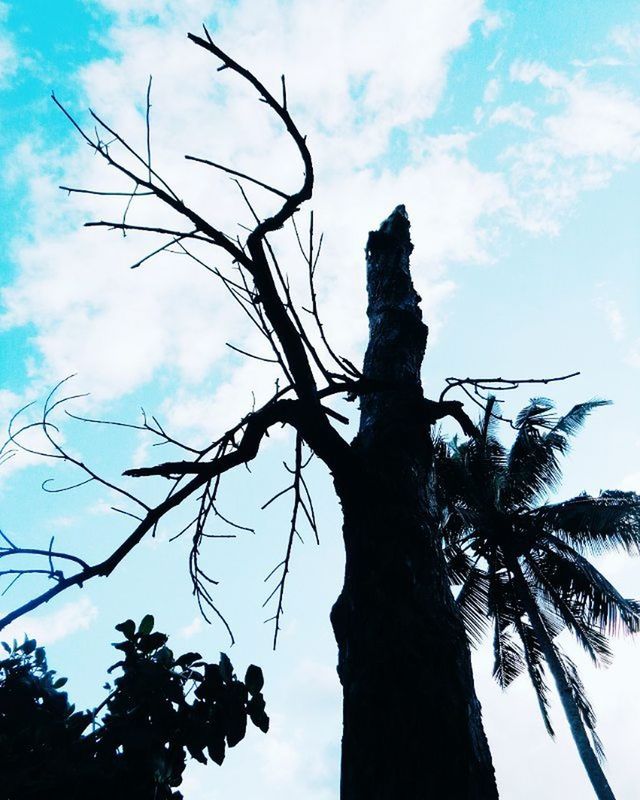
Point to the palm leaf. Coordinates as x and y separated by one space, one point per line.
508 658
569 612
472 603
571 422
585 708
533 466
538 412
591 596
459 563
534 459
610 521
534 660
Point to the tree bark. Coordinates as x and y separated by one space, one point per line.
412 722
587 755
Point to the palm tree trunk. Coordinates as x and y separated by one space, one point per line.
412 722
589 759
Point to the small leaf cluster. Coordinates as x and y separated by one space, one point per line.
135 744
39 729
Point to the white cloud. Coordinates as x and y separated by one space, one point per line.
491 21
622 327
193 628
118 329
600 61
596 120
513 114
49 628
491 91
9 60
627 38
613 317
590 132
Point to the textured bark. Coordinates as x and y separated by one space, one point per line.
589 759
412 723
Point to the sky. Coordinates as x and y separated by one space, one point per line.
511 132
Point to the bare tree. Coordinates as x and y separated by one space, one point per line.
412 722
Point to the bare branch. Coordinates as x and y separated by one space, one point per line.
237 174
147 120
72 190
256 426
179 235
500 384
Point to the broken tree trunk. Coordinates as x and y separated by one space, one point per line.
412 722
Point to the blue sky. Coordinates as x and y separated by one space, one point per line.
512 133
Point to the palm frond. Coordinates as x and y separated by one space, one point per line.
571 422
590 595
596 525
592 639
534 659
585 708
458 562
534 459
472 603
508 658
533 466
538 412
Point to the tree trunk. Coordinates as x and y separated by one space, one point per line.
589 759
412 722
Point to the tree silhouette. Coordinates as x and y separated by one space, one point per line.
412 722
523 564
133 744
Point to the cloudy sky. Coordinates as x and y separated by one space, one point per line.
511 132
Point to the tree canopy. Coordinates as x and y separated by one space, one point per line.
134 744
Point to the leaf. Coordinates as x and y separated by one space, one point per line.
255 708
571 423
78 722
164 656
146 626
127 629
595 525
152 641
254 680
472 604
508 660
186 659
196 752
126 647
576 579
226 668
6 647
535 660
216 748
29 646
236 727
59 683
212 686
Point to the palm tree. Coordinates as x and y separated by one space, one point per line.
523 563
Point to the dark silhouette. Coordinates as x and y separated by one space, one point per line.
522 564
133 744
412 722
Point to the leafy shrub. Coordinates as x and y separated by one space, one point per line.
135 743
